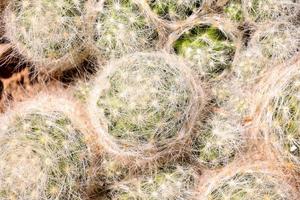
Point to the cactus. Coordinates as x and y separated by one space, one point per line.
217 141
269 10
284 108
278 41
165 184
48 33
148 102
248 185
43 152
234 11
174 10
121 28
209 49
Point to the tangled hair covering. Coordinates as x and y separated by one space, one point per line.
169 183
120 27
43 150
48 33
277 111
249 184
144 105
262 11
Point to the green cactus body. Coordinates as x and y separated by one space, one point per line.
46 31
174 10
121 28
207 47
247 186
147 101
234 10
166 184
43 156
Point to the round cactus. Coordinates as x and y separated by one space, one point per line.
269 10
145 104
165 184
279 113
207 47
248 185
174 10
218 141
121 28
44 154
278 41
48 33
233 9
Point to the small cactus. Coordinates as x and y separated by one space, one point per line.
174 10
165 184
269 10
121 28
209 49
234 10
48 33
280 113
248 185
43 151
278 41
147 103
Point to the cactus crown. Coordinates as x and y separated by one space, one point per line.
121 28
207 47
43 156
174 10
43 29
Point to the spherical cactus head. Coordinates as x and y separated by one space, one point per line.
170 183
48 33
43 153
145 101
269 10
233 9
217 141
284 126
277 42
173 10
207 47
121 28
250 185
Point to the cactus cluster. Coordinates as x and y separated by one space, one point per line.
185 96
